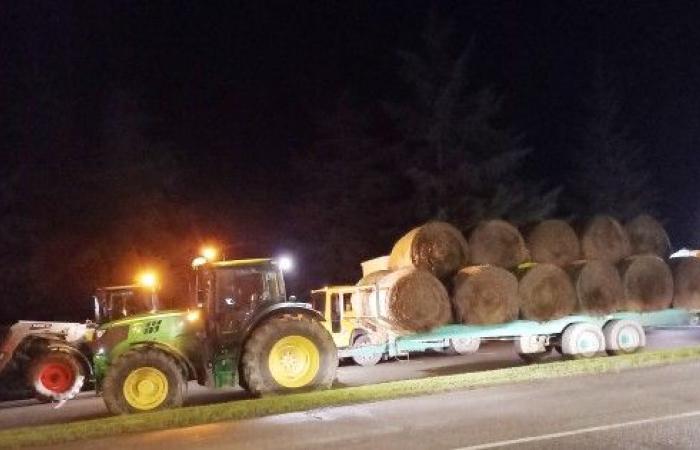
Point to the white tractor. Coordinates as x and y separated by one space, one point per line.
54 359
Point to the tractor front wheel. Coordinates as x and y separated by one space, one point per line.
289 353
143 380
55 376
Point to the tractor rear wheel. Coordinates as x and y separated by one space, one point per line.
143 380
55 376
289 353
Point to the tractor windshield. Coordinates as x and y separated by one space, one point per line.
251 284
118 303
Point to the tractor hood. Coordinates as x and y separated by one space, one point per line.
144 317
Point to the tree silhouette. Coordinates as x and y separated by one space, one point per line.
464 166
350 206
610 169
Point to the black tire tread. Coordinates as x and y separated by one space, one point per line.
142 357
256 350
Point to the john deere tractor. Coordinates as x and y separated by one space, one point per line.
240 330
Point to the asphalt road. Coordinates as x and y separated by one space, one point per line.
491 356
655 407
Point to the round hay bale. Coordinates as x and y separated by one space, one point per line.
554 242
647 235
686 282
497 243
437 247
604 238
485 295
413 300
647 283
545 292
598 286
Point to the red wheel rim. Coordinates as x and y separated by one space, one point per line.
57 377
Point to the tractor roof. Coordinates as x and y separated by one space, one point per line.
120 288
243 262
336 289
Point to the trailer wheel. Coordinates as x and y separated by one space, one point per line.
289 353
55 376
365 360
623 337
465 346
582 340
143 380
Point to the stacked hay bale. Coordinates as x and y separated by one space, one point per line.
597 285
436 247
485 292
485 295
546 293
406 291
686 282
554 242
604 239
646 235
647 283
646 277
497 243
497 275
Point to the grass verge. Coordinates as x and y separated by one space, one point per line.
247 409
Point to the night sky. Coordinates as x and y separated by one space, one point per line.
236 87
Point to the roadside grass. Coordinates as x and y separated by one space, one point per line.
247 409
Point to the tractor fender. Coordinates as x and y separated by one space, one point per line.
357 332
281 308
180 357
268 312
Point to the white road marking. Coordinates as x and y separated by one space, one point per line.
560 434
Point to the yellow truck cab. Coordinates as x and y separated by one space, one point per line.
341 320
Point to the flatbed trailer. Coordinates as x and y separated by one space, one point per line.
575 335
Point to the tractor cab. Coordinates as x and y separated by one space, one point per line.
347 325
335 304
231 293
118 302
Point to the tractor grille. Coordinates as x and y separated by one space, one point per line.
152 327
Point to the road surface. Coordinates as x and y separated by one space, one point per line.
656 407
492 356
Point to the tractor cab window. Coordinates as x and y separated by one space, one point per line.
347 302
121 303
318 302
245 287
335 313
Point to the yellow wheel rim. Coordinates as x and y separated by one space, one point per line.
294 361
145 388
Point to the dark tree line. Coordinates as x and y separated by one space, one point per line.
90 192
444 151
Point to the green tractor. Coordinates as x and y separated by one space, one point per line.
241 330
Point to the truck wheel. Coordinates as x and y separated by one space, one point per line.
369 359
582 340
143 380
289 353
55 376
623 337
